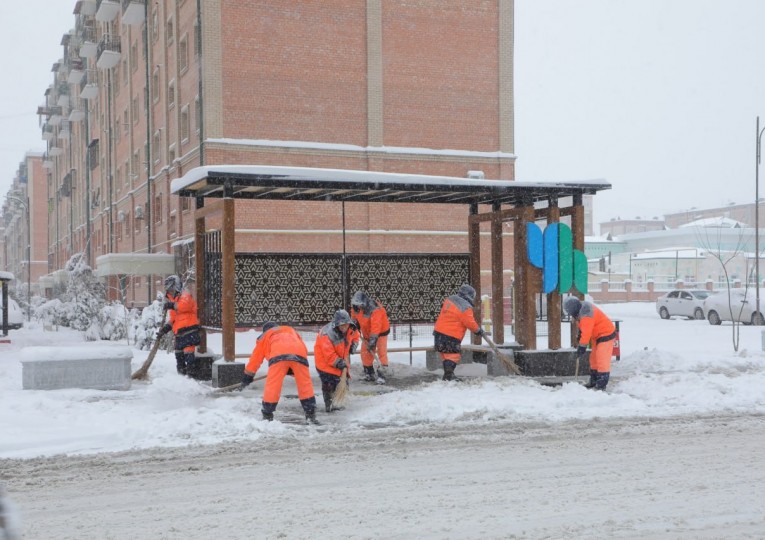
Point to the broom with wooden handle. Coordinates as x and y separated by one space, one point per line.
506 360
340 397
141 373
236 386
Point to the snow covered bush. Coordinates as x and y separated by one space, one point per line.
144 326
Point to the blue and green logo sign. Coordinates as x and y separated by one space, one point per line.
553 252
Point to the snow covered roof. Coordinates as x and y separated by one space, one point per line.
305 183
716 222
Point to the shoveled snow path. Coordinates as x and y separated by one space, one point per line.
691 477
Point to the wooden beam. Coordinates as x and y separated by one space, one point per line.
199 270
553 299
228 248
497 281
525 321
577 232
474 246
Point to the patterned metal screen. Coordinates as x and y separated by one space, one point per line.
306 289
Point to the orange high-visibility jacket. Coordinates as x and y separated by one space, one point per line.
185 312
330 347
277 344
456 317
375 323
593 324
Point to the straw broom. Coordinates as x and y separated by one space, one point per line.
142 373
236 386
506 360
342 393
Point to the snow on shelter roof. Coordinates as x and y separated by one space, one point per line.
304 183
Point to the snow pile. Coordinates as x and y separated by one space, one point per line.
668 368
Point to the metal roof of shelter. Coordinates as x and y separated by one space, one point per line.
314 184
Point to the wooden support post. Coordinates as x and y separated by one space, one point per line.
553 299
474 246
577 232
497 281
199 270
228 248
525 323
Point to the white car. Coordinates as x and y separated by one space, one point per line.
742 301
15 314
682 303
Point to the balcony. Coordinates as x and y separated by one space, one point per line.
133 11
47 132
89 85
55 151
107 10
86 7
63 95
109 49
76 71
88 46
47 164
77 114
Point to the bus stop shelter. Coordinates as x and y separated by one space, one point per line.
215 189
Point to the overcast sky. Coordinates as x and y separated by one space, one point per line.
657 97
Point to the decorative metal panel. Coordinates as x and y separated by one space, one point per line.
296 289
411 287
306 289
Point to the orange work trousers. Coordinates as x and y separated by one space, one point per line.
600 356
275 379
368 358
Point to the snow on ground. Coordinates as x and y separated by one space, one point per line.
668 368
671 451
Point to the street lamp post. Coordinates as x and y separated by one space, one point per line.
25 204
757 214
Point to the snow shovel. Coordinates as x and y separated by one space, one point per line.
236 386
142 372
506 360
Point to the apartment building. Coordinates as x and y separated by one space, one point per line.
146 91
24 237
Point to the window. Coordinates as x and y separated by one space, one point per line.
171 155
183 53
116 81
197 114
170 30
185 128
171 94
197 40
135 110
185 204
158 208
125 122
135 164
157 150
127 174
155 84
154 24
134 56
124 71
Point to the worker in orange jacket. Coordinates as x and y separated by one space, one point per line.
334 345
372 320
455 318
285 352
596 328
184 323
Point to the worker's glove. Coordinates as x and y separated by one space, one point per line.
164 330
246 381
372 343
354 346
479 332
340 364
169 305
581 349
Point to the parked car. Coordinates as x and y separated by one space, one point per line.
682 303
15 315
717 307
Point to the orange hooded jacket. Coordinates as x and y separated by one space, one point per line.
593 324
329 348
277 344
456 317
373 324
185 312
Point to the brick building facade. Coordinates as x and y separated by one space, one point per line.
146 91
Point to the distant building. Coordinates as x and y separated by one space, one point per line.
619 226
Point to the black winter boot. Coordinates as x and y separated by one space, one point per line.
593 378
190 360
369 374
327 394
602 380
180 363
449 371
267 410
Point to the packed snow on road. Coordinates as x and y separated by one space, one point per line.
671 450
